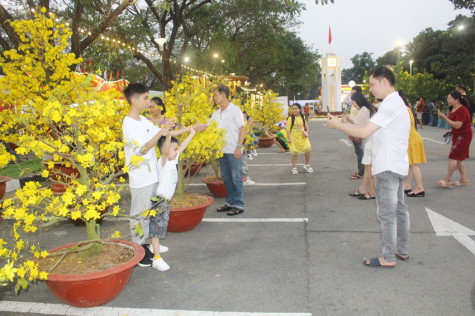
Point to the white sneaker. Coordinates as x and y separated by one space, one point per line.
308 168
160 265
254 152
294 171
248 181
249 157
162 249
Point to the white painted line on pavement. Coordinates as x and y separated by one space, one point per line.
433 140
255 220
260 184
51 309
346 141
272 164
444 226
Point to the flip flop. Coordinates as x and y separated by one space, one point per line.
401 257
459 183
374 263
354 177
407 191
442 183
224 208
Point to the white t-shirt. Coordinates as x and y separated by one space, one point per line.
231 120
167 178
136 134
390 141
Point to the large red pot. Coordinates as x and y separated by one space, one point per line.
59 173
193 170
266 142
216 187
94 289
3 185
183 219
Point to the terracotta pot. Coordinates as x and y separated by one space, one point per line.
94 289
59 173
216 187
3 185
183 219
194 169
265 142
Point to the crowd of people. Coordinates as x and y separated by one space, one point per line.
387 144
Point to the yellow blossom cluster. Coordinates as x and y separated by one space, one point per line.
5 156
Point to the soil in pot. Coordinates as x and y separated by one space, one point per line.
112 255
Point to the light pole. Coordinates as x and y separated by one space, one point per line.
410 72
161 41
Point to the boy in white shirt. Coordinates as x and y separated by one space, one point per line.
140 136
167 181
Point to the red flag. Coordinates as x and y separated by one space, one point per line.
90 64
110 76
117 74
329 35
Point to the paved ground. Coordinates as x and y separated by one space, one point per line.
309 267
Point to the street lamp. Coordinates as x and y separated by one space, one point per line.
160 41
410 72
399 44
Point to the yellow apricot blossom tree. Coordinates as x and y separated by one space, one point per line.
190 100
58 115
267 110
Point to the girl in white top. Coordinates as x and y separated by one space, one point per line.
366 110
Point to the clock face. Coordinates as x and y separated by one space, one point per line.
331 62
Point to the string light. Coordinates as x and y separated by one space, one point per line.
134 49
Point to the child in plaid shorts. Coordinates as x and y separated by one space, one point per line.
167 181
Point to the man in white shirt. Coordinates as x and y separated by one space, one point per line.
230 117
390 129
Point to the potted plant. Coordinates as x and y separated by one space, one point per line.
63 120
189 101
267 111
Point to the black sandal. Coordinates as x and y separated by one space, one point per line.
235 211
356 194
224 208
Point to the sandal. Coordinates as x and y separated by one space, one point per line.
459 183
355 176
224 208
235 211
357 194
294 171
442 183
367 196
308 168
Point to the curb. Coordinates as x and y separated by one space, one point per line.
16 183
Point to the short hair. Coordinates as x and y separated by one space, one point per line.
357 89
384 72
223 89
133 89
161 142
160 103
462 87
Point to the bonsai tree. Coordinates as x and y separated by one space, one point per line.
267 111
190 101
61 118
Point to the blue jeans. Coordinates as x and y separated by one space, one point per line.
232 177
393 215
